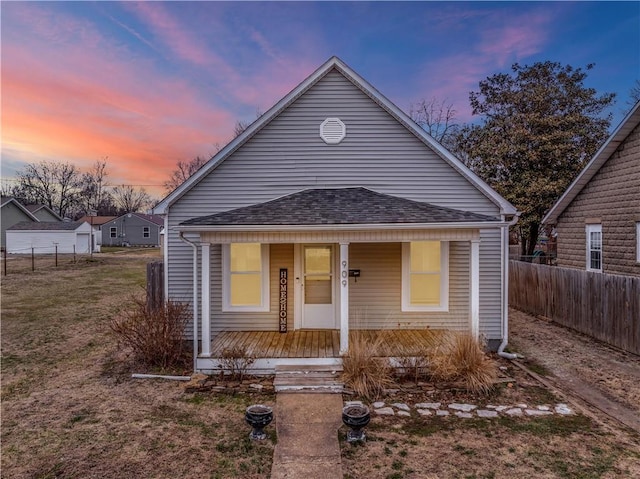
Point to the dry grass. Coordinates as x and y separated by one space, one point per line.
363 372
460 357
154 335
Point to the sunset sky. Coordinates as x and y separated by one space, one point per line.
149 84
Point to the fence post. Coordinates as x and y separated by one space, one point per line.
56 256
74 253
33 260
155 284
4 255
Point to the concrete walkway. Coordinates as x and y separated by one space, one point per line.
307 428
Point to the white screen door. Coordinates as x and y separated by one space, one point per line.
317 287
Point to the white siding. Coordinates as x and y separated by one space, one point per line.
288 155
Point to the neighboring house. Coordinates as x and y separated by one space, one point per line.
44 236
133 229
12 212
335 212
597 219
43 213
96 223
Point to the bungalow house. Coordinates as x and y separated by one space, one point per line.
132 229
12 212
597 220
46 237
334 212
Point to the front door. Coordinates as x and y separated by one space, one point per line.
318 308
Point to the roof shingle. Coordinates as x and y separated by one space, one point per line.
342 206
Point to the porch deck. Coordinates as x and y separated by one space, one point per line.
322 343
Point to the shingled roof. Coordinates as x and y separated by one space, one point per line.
342 206
46 226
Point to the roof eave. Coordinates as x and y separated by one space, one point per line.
341 227
630 121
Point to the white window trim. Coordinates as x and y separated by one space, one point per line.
638 242
113 232
226 282
444 280
146 232
594 228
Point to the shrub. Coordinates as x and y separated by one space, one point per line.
236 362
460 356
154 334
366 374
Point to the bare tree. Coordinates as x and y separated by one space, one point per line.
184 169
56 185
634 94
95 193
129 199
437 118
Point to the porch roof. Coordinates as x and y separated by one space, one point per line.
343 206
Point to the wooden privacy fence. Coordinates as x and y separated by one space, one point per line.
604 306
155 284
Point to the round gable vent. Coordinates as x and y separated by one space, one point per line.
333 131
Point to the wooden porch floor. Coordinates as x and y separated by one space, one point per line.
322 343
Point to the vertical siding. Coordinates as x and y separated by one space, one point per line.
613 197
288 155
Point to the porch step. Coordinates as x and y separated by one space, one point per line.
308 379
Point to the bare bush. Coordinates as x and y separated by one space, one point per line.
236 362
366 374
460 357
154 334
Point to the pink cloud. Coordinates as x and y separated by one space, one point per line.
79 104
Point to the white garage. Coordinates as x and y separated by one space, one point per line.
43 237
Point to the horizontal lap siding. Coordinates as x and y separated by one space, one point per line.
288 155
374 300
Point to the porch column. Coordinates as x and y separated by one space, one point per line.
205 285
344 298
474 282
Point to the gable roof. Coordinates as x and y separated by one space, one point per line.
97 220
11 200
334 63
339 206
630 121
35 208
155 219
46 226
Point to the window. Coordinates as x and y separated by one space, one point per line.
245 286
425 276
113 232
594 247
145 232
638 242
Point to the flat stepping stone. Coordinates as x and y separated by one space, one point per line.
378 404
486 413
464 415
428 405
424 412
563 409
516 411
403 413
385 411
462 407
402 406
441 412
536 412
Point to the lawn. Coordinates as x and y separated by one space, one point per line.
69 406
71 410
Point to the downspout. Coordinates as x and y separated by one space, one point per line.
195 298
505 292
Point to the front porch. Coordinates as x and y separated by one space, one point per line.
320 344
